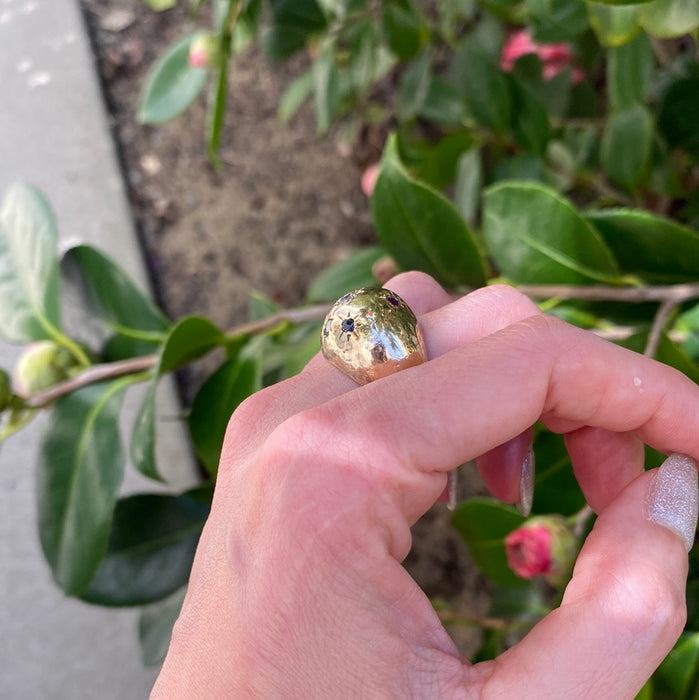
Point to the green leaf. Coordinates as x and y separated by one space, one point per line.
483 85
536 236
484 524
678 112
296 93
555 488
160 5
613 25
630 73
216 109
29 287
404 28
78 476
370 59
627 146
420 228
443 105
172 86
670 18
351 273
155 627
151 549
326 89
438 166
467 188
190 339
414 86
111 295
213 406
557 20
680 670
294 22
530 124
656 249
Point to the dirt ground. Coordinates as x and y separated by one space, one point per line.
283 207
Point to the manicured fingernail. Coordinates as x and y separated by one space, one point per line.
452 485
526 483
673 499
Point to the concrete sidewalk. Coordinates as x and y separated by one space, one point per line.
54 134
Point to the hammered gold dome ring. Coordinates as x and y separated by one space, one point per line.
371 333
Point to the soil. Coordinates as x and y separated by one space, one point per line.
283 207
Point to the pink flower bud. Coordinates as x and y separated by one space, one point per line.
544 547
204 51
554 57
43 365
369 178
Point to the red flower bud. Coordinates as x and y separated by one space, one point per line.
544 547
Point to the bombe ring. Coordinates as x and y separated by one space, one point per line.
371 333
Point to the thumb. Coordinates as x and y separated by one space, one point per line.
625 606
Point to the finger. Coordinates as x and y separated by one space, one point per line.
625 603
604 463
445 326
438 415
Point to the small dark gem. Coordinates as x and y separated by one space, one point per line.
393 301
348 325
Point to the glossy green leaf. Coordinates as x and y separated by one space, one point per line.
111 295
467 188
484 524
614 25
646 693
326 89
296 93
78 476
483 85
438 166
294 22
213 406
630 72
351 273
420 228
155 625
678 112
414 86
151 549
670 18
404 28
627 145
29 287
190 339
536 236
680 670
530 124
172 86
370 59
649 246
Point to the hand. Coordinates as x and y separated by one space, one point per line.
297 590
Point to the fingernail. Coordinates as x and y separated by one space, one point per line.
526 483
673 499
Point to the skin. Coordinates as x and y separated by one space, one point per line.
297 589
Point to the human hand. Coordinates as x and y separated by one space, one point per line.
297 588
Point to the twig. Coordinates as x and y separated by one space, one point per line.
676 293
656 329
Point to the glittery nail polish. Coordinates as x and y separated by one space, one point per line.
673 500
526 483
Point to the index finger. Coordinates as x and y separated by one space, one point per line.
431 418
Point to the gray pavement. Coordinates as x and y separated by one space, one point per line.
53 134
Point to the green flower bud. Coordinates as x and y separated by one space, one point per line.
43 365
544 547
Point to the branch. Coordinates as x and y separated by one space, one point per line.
676 293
